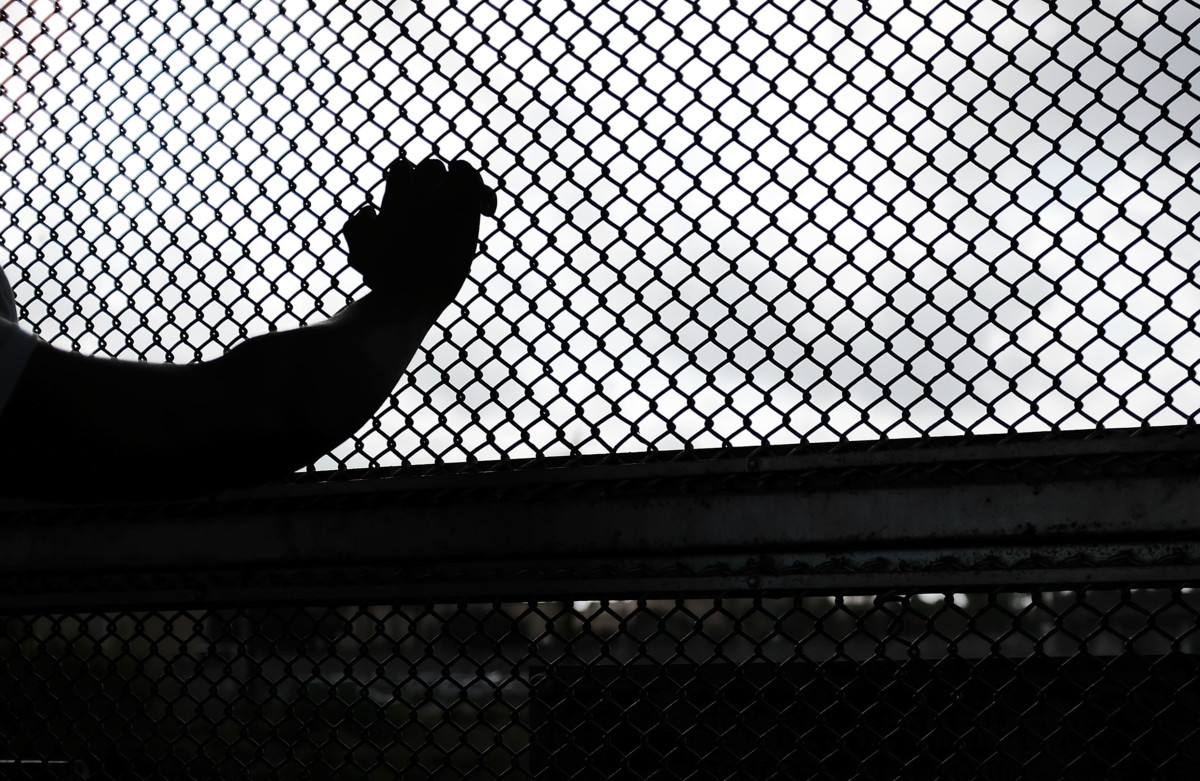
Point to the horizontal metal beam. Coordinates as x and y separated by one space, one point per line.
1009 513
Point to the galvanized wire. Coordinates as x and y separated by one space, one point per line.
722 224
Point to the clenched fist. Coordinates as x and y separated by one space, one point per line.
418 247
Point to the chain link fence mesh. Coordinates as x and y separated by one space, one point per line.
722 224
997 684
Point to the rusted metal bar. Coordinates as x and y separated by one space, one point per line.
948 515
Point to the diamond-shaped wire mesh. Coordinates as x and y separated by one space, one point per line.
722 224
996 684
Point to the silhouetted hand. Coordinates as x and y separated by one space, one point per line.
418 247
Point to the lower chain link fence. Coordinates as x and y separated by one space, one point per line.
1070 682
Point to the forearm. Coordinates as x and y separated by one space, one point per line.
315 386
83 428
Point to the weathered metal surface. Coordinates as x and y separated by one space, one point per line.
1008 513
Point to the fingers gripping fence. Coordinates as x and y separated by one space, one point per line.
729 233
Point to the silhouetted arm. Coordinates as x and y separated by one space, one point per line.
85 428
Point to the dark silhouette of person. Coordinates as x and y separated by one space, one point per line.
81 428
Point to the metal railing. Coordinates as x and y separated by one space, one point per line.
999 610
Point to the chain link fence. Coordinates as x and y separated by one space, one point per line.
722 224
724 227
1083 682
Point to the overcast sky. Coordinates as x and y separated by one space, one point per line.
719 224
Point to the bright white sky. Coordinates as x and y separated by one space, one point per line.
721 223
